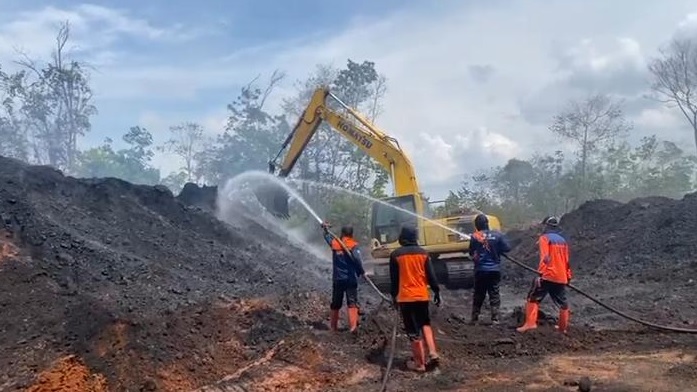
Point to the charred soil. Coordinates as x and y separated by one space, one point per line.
639 256
139 287
110 286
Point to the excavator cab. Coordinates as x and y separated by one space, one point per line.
390 215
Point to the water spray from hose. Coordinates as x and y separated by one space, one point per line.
375 200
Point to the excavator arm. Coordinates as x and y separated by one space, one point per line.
356 129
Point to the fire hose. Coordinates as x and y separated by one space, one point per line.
524 266
608 307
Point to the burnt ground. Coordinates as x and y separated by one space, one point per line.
110 286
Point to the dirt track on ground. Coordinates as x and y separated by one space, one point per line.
109 286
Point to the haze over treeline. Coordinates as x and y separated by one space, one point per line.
47 107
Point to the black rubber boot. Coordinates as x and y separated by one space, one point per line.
495 316
475 318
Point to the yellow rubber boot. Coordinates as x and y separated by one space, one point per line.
531 310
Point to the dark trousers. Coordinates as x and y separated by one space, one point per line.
344 288
486 282
557 291
414 316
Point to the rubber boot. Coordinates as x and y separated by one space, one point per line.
495 316
433 357
353 319
418 362
334 320
563 325
531 309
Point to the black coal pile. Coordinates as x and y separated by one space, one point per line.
640 255
99 255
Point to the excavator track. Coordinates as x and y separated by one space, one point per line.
459 274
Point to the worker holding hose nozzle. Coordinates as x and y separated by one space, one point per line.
555 274
346 269
486 248
411 274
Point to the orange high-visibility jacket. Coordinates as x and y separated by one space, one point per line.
554 258
412 274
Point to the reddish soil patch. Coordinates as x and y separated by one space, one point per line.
69 374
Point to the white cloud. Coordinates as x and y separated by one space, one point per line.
660 118
94 29
688 26
469 86
540 51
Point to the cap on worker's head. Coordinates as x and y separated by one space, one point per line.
481 222
347 231
408 235
551 221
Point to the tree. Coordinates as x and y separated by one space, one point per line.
13 141
545 194
590 123
674 75
55 104
131 164
514 178
329 157
187 142
361 87
252 135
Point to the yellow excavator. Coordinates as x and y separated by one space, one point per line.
448 250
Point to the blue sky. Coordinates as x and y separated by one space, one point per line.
470 83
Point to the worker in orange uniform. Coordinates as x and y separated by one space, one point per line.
411 274
555 274
346 269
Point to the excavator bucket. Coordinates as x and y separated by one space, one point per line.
274 199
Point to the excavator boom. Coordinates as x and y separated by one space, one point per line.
355 128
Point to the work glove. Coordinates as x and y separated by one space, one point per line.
436 298
325 226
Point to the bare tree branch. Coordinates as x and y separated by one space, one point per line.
591 123
276 77
675 77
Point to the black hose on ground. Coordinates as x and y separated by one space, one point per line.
608 307
386 376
